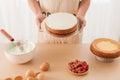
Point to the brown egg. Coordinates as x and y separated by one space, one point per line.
30 78
29 73
18 78
38 73
8 79
40 76
44 66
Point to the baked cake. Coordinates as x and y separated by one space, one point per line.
105 49
61 23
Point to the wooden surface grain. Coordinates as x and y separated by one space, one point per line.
58 55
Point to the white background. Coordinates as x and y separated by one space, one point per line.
103 20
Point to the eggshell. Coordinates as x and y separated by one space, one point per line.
8 79
18 78
44 66
40 76
30 78
29 73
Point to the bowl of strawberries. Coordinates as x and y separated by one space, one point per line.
78 67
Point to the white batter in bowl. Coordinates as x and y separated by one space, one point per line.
16 55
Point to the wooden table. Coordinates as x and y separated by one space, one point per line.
58 56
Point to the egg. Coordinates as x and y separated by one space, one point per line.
31 78
18 78
40 76
38 73
29 73
44 66
8 79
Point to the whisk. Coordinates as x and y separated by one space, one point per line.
9 37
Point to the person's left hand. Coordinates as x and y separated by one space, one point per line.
82 20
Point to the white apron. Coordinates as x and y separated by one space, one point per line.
51 6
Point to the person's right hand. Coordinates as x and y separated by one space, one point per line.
39 20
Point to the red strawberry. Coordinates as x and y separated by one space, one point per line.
84 65
78 66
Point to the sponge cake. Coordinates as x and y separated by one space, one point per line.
61 23
105 48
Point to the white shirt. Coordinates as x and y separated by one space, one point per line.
52 6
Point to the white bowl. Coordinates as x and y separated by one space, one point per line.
16 55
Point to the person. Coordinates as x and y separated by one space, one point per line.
43 8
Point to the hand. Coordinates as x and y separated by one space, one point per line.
82 20
39 20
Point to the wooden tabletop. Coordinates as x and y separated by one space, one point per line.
58 55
